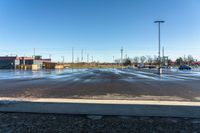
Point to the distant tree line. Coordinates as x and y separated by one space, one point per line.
153 60
189 60
138 59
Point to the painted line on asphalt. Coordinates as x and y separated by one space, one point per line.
94 101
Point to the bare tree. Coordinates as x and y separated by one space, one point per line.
136 59
179 61
118 61
155 59
190 59
184 59
149 59
142 59
127 62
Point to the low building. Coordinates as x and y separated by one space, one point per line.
13 62
9 62
49 65
52 65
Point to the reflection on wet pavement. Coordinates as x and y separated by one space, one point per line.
95 75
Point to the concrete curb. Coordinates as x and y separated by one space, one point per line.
102 107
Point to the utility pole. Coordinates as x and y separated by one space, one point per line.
113 61
87 58
72 55
63 59
82 55
163 51
34 52
77 60
49 56
24 60
121 55
159 59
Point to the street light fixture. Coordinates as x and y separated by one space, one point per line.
159 59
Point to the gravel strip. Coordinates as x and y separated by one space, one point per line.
60 123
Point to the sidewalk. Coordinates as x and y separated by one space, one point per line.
102 107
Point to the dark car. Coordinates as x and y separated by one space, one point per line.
184 67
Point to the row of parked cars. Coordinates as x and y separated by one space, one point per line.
184 67
181 67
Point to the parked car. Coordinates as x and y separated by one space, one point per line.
141 65
165 67
184 67
151 66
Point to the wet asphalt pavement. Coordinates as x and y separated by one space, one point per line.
143 84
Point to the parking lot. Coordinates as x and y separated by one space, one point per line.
137 84
92 74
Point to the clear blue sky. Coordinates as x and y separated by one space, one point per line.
100 27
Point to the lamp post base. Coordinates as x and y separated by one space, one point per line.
160 71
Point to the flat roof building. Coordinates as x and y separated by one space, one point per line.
11 62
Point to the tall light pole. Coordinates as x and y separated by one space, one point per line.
159 59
